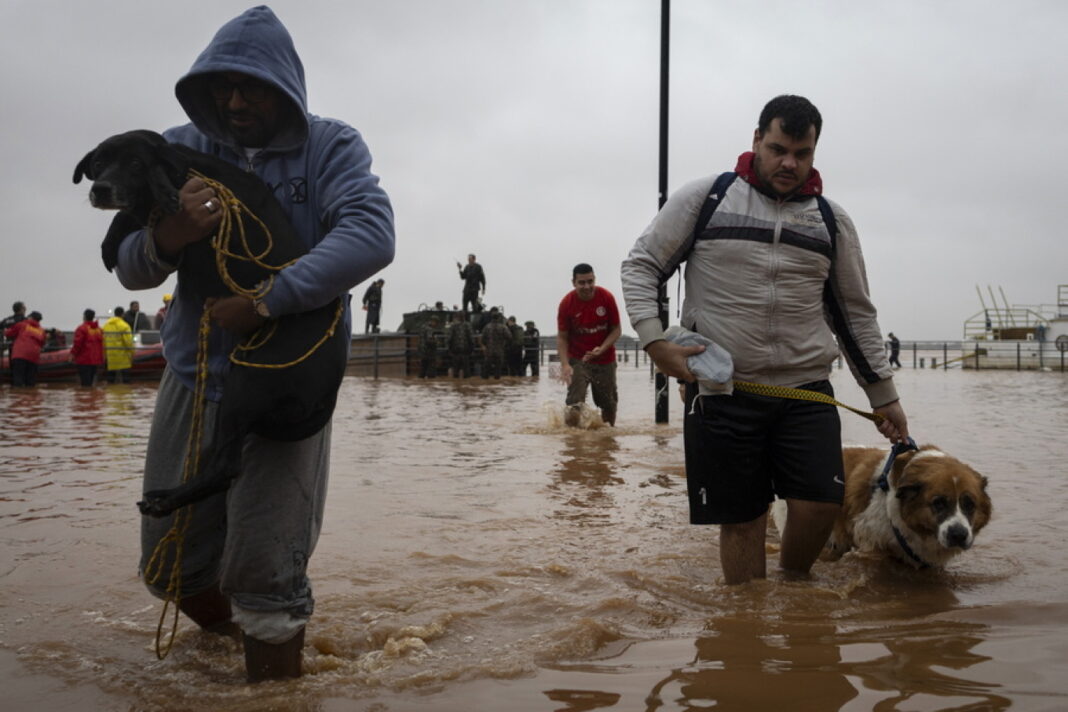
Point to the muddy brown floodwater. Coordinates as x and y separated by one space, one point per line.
479 555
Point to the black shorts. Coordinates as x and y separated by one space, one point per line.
743 449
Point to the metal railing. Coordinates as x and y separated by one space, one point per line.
399 354
983 354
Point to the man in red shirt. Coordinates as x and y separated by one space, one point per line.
587 328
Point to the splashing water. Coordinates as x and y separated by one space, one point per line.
581 416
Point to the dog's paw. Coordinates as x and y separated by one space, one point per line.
834 550
156 504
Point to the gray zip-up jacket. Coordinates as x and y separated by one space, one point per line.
763 281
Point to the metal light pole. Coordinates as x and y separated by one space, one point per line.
661 383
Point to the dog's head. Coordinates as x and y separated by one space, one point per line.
133 172
941 498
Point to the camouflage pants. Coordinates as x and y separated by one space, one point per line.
460 361
493 365
428 364
601 379
531 358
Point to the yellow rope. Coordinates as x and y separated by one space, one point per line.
232 219
800 394
252 346
175 536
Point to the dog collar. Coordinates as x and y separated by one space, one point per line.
883 482
908 550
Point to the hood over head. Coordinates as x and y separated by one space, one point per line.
255 43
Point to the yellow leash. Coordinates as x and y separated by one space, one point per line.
800 394
232 222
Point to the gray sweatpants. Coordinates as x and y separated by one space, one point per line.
253 540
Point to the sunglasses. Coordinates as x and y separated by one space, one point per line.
252 91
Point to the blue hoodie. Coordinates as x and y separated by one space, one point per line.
319 169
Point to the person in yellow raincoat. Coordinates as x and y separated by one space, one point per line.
118 347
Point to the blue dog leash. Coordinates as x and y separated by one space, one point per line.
883 483
899 447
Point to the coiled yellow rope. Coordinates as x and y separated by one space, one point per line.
801 394
232 221
233 218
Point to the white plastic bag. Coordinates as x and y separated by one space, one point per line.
713 367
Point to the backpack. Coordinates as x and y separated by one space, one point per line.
715 195
719 189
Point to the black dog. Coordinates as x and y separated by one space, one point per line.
139 172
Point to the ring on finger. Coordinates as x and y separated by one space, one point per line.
210 205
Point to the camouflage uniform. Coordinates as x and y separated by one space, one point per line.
495 338
513 352
428 349
531 349
460 338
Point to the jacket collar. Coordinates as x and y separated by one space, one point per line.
813 185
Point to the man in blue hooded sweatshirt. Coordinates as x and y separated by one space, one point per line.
245 553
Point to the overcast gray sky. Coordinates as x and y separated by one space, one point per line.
525 131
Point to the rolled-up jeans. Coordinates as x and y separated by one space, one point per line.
253 540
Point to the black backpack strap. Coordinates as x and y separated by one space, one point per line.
827 213
719 188
715 195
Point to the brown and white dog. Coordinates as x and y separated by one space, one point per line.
927 509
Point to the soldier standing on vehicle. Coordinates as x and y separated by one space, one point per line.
474 278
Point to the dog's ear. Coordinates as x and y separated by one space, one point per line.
84 168
897 471
907 492
165 177
164 192
121 225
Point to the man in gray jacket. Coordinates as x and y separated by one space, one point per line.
773 275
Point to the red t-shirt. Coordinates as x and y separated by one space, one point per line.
588 323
